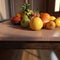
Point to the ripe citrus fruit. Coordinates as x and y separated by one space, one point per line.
50 25
45 17
52 18
36 23
57 21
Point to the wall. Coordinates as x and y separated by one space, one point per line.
50 8
4 10
16 5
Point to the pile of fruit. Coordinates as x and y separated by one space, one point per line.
34 20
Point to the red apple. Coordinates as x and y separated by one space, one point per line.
16 20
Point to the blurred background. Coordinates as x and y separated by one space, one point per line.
8 8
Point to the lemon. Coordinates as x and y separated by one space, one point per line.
52 18
57 22
36 23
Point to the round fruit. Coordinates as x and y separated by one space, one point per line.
25 24
16 20
52 18
45 17
36 23
50 25
57 21
45 20
36 15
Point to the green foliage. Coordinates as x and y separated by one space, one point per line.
25 8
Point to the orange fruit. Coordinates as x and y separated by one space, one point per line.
50 25
36 23
45 20
45 17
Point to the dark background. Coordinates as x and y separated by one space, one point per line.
43 5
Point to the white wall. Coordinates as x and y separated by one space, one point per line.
57 5
4 11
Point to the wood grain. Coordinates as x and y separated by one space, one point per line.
9 32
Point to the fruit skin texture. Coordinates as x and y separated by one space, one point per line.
50 25
25 21
52 18
16 20
45 17
57 21
36 23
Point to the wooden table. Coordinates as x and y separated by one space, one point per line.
9 32
15 37
25 38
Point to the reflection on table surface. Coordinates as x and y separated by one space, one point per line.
28 54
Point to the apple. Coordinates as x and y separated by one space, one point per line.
16 20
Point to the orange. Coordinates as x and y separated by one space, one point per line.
50 25
45 17
19 15
36 23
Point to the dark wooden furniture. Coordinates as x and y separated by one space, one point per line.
9 32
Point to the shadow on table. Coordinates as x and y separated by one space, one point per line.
10 54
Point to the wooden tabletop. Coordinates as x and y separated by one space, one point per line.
16 33
9 32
